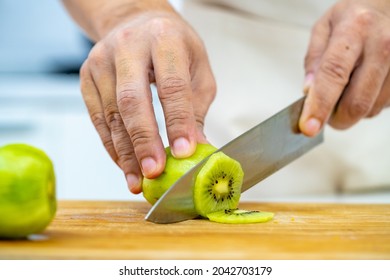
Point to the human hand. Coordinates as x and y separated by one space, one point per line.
115 82
347 65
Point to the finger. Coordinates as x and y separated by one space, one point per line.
317 46
383 99
171 64
103 74
95 109
134 99
332 76
204 92
362 91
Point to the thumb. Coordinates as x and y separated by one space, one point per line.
318 43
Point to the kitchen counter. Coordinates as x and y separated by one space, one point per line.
117 230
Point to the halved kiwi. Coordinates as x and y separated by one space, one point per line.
240 216
217 188
218 184
153 189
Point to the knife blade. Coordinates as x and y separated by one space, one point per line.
262 151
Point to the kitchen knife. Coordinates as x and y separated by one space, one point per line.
262 150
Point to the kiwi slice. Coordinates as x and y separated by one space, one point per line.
218 184
240 216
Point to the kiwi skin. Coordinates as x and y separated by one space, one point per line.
153 189
218 184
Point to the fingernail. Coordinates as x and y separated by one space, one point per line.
133 182
312 126
308 82
149 166
181 148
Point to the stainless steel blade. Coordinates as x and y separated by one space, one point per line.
262 150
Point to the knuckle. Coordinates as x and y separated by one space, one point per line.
113 117
84 88
128 89
322 107
325 104
130 98
385 47
123 36
84 71
171 85
213 88
98 120
205 93
209 97
141 136
125 102
177 118
126 162
364 17
210 89
160 27
358 109
335 70
199 120
213 91
124 151
85 80
98 56
109 145
125 154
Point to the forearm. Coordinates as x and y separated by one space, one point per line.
98 17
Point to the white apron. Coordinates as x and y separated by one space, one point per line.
257 49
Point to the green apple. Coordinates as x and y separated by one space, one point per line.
27 191
153 189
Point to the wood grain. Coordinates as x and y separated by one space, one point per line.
117 230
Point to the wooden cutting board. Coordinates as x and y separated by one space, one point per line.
117 230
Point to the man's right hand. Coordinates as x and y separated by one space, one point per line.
154 45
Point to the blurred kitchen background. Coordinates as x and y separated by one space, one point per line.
41 50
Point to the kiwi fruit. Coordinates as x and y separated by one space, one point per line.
218 184
27 191
217 188
153 189
240 216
